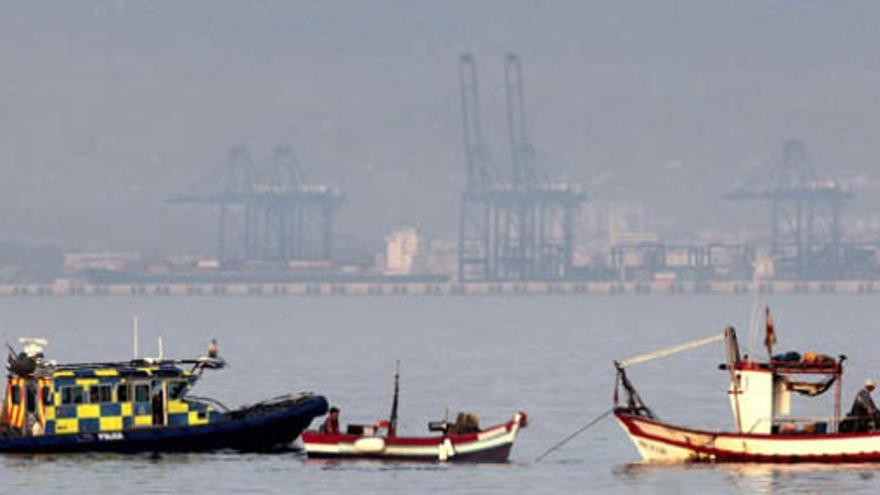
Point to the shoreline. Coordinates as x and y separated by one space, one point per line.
68 288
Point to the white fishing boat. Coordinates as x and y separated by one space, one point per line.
765 430
460 441
492 444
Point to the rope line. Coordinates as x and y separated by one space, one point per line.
573 435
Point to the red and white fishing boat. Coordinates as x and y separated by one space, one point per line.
765 430
461 441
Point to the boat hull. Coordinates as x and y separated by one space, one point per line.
256 432
490 445
661 442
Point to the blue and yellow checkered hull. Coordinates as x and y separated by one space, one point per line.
250 429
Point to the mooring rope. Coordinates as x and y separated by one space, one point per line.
573 435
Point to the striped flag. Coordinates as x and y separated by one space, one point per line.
770 335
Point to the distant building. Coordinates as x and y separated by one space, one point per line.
208 264
438 256
764 267
101 261
626 225
401 250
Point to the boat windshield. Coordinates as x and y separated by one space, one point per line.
176 389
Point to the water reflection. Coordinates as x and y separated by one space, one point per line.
98 459
801 478
770 479
397 465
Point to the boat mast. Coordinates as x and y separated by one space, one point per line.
392 422
135 337
733 360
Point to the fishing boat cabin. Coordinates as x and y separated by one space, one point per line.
761 392
44 397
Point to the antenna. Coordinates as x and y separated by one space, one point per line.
135 336
161 349
392 423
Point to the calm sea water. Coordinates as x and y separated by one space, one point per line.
548 356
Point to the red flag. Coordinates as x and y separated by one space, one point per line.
770 336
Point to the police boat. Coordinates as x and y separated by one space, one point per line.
141 405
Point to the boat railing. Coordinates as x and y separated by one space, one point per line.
280 399
831 422
207 400
270 405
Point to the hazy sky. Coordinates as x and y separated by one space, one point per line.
108 107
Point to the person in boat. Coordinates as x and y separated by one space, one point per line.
157 404
213 349
864 415
331 424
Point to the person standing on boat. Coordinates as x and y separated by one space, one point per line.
864 412
331 424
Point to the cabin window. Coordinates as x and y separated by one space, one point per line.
122 392
72 395
99 394
46 392
16 395
31 399
176 389
142 393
